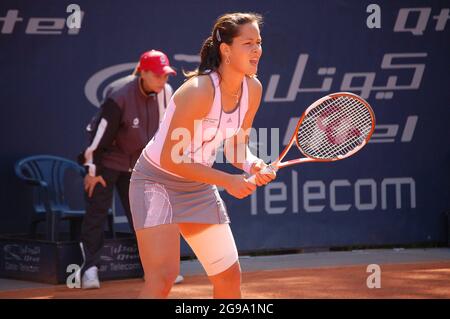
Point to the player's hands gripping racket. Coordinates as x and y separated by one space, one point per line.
332 128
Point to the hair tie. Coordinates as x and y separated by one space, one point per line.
218 36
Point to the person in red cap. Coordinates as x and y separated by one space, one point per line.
154 69
128 118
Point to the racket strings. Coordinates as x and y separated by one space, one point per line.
337 127
334 127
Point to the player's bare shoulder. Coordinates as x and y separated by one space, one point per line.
254 90
197 93
254 83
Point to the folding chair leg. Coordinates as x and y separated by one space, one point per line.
111 226
55 229
75 229
33 228
50 227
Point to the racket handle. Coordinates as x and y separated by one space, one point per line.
269 169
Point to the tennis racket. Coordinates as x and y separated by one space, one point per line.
332 128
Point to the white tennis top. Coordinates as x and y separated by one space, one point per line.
209 132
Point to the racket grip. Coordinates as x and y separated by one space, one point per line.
269 169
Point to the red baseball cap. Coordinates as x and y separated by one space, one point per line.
155 61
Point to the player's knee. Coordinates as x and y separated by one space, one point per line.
230 277
162 277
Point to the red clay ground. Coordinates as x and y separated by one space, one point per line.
425 280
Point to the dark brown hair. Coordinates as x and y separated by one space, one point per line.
225 29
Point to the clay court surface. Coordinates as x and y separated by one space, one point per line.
420 279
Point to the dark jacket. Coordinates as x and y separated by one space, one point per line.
127 121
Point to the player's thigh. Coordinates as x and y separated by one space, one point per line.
159 246
213 244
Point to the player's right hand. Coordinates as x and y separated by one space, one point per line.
238 186
91 181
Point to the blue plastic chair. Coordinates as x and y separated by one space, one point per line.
48 176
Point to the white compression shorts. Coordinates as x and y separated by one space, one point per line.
214 247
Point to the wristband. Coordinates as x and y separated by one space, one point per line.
248 163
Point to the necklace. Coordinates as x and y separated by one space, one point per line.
236 96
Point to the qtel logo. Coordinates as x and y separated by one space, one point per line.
415 20
44 26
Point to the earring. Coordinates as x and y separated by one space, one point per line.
227 61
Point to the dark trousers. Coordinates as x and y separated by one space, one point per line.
97 206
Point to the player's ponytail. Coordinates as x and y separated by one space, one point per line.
225 29
209 55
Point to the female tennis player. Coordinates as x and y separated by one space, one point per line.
173 186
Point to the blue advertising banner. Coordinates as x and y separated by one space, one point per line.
395 54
